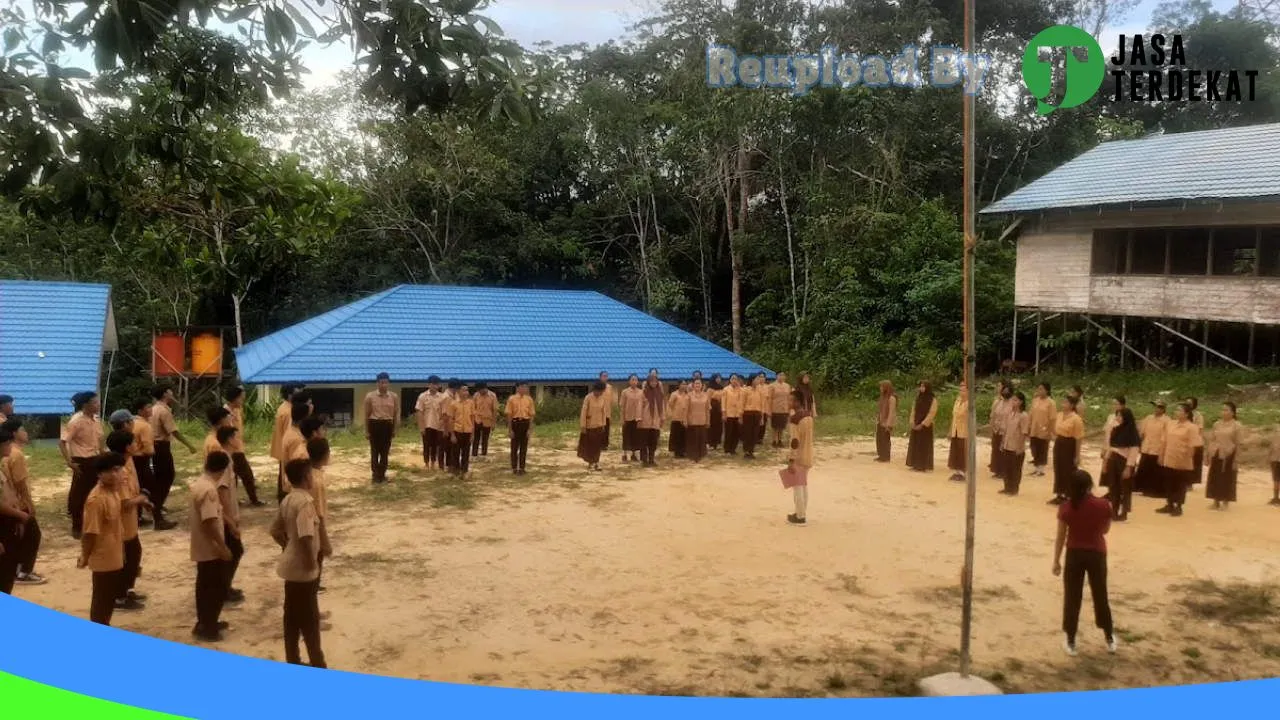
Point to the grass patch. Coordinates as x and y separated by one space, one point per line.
835 682
952 594
1235 603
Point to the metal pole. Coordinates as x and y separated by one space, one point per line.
1037 372
1205 348
1124 334
970 372
111 363
1013 351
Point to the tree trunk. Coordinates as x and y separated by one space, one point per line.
735 249
791 254
236 299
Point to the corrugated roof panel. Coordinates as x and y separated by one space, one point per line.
1231 163
494 334
51 336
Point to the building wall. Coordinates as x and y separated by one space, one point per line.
1224 299
270 394
1053 271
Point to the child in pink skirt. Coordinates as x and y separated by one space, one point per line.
796 474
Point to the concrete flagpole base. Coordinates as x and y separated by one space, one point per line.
952 684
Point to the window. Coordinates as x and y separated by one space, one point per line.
337 404
1147 255
1235 250
1269 258
1188 251
1110 249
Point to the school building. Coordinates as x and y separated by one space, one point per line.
53 336
1163 250
555 340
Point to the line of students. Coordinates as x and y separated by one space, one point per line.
456 422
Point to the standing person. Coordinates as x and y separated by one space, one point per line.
13 520
382 420
779 408
428 410
228 496
293 445
462 418
651 418
611 397
239 461
715 392
297 530
209 550
144 447
13 465
1147 479
754 404
448 435
800 460
920 444
486 417
1083 522
101 544
591 425
318 455
6 407
632 402
678 416
165 430
279 427
519 411
1177 461
997 419
1043 414
1197 419
80 443
1224 441
697 420
129 491
1120 462
1274 459
805 386
958 436
1017 427
218 417
1119 403
734 401
886 418
765 391
1068 435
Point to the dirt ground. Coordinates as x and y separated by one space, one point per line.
688 580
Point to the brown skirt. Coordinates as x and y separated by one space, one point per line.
631 439
675 439
956 457
1221 486
716 432
1198 459
920 449
590 444
1147 480
779 421
695 442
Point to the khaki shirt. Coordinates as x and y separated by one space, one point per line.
486 405
102 519
802 434
83 436
1180 442
632 404
734 401
281 425
999 413
1016 430
382 407
1043 414
780 398
651 416
595 411
1224 439
15 468
1153 429
144 438
430 410
1274 455
462 416
678 407
319 493
163 426
893 414
611 396
205 506
237 421
227 497
297 520
698 411
1071 426
292 447
520 407
959 419
755 399
128 489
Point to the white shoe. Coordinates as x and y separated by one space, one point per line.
1111 645
1068 647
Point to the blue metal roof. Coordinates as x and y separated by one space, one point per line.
1231 163
493 334
52 335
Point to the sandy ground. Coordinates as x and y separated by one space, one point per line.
688 580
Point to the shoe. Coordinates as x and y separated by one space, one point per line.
162 524
794 519
1166 510
1274 501
235 595
1123 517
30 579
1004 492
1111 645
256 503
1176 512
207 636
128 603
136 595
1068 647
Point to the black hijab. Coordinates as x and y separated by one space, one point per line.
924 401
1125 435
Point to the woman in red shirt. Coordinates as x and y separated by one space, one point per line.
1083 522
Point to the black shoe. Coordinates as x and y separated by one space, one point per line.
235 595
1004 492
1057 501
162 524
1123 517
207 635
1274 501
127 604
75 534
1166 510
1176 512
795 520
136 595
256 503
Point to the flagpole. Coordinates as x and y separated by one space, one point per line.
971 459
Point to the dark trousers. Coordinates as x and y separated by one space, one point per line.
461 448
244 471
884 443
519 443
132 567
1121 487
1039 452
211 593
1176 484
675 440
608 433
146 477
1079 565
997 455
302 620
649 445
716 432
448 452
1013 471
164 473
29 546
480 441
381 432
82 483
430 447
751 432
102 603
732 433
9 557
237 551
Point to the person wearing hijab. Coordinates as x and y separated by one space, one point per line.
1120 463
1083 522
999 416
801 458
1273 458
715 393
1017 426
697 419
1043 413
1147 480
1224 441
1119 403
958 437
632 403
651 418
591 423
805 386
1177 460
886 418
1068 434
920 444
1197 419
678 416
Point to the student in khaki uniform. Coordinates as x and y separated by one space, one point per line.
462 420
6 407
1017 427
13 520
228 495
1273 458
632 402
651 418
13 465
283 421
1197 418
80 443
519 411
486 411
382 421
805 385
129 491
165 430
715 391
779 408
697 421
1224 440
102 544
429 410
1147 480
318 453
239 461
218 418
678 416
886 418
1177 461
1120 461
999 414
209 549
591 425
958 435
611 397
754 404
446 423
800 460
920 441
297 531
734 399
293 446
1068 436
1043 414
144 447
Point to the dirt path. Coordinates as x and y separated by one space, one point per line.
688 580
